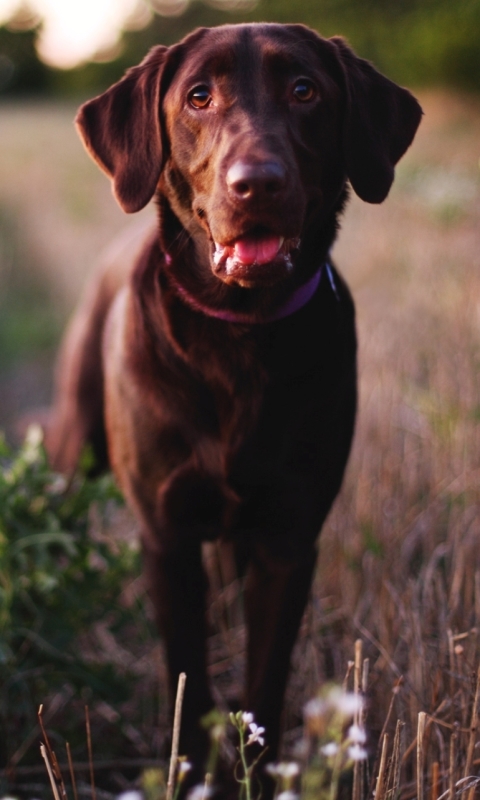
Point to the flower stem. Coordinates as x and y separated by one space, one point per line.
246 779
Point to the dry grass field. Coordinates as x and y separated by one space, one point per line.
400 554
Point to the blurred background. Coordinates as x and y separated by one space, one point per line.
399 556
55 208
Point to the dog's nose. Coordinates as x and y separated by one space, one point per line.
249 181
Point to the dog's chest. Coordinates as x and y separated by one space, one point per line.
266 383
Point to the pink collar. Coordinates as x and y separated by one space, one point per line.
295 302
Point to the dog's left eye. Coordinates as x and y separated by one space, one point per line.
200 97
304 90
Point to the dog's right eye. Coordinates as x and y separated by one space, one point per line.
200 97
304 90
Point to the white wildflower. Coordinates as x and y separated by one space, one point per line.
200 792
247 717
330 749
33 440
347 703
130 794
357 753
285 769
288 795
356 734
315 707
34 435
184 767
288 769
256 734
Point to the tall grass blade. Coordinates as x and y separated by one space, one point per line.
176 735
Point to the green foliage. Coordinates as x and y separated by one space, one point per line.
56 582
418 42
21 71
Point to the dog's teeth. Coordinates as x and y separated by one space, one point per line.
230 265
218 254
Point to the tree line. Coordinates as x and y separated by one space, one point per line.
415 42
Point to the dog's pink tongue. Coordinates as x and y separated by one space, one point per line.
257 250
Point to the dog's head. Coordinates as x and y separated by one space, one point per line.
250 133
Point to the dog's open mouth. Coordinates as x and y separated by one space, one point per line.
256 258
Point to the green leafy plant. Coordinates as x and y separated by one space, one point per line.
58 578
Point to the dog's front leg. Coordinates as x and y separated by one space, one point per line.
186 508
177 587
276 593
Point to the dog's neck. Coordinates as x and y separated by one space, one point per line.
297 300
201 292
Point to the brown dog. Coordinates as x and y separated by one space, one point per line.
224 362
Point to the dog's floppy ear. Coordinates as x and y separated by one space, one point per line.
381 119
121 131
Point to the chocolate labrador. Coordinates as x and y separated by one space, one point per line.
219 372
